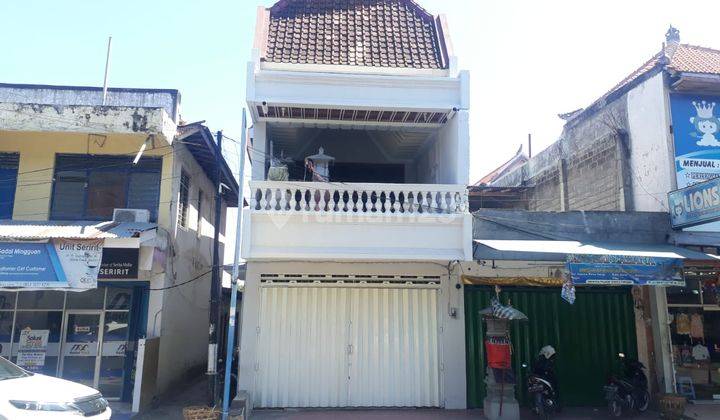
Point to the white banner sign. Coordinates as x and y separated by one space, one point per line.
80 260
31 360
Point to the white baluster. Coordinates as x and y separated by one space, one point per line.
453 202
284 199
253 198
443 203
309 199
263 198
396 204
321 200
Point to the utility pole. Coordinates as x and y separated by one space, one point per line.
529 145
107 69
232 329
216 282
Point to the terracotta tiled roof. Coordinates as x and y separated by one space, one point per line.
516 161
377 33
694 59
678 58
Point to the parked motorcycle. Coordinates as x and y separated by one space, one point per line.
542 385
629 391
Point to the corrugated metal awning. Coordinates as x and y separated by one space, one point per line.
28 230
558 250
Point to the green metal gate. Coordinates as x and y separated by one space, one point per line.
587 336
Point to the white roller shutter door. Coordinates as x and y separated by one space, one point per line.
347 347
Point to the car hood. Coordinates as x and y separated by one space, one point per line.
43 388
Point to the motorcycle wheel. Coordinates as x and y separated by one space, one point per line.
615 408
643 402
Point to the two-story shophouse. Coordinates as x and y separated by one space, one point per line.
655 132
357 208
106 236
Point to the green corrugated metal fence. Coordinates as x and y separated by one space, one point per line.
587 336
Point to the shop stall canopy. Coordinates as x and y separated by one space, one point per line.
595 263
538 250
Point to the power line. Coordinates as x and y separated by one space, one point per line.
183 283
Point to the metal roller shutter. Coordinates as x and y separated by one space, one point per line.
587 336
347 347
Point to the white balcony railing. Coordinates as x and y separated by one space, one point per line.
334 197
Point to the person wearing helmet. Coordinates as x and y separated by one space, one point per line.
545 366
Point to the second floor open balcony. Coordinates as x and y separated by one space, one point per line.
382 193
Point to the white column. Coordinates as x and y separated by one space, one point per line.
661 339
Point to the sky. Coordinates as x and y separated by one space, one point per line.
529 60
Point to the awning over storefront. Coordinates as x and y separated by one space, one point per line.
600 263
539 250
71 255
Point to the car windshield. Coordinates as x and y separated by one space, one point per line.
9 370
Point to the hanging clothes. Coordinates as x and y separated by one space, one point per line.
696 326
682 324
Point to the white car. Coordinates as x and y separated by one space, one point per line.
26 395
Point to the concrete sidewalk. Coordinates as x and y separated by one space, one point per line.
194 394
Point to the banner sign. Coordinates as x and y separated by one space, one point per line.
696 129
617 270
32 349
119 263
59 263
696 204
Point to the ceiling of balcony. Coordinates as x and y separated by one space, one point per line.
350 145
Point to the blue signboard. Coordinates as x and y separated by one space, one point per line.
694 205
616 270
30 265
696 129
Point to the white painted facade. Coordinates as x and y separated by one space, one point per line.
356 278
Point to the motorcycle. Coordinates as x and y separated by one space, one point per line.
629 391
541 384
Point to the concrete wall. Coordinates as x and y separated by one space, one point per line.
182 322
581 171
452 336
168 99
447 159
651 149
37 164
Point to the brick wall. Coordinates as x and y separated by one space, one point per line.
581 171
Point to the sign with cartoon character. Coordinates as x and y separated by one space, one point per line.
696 204
696 129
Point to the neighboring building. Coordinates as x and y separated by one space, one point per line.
67 166
654 132
351 296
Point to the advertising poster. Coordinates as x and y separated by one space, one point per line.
60 263
619 270
696 130
32 349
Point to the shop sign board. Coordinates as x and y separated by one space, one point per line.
59 263
119 263
618 270
696 132
696 204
